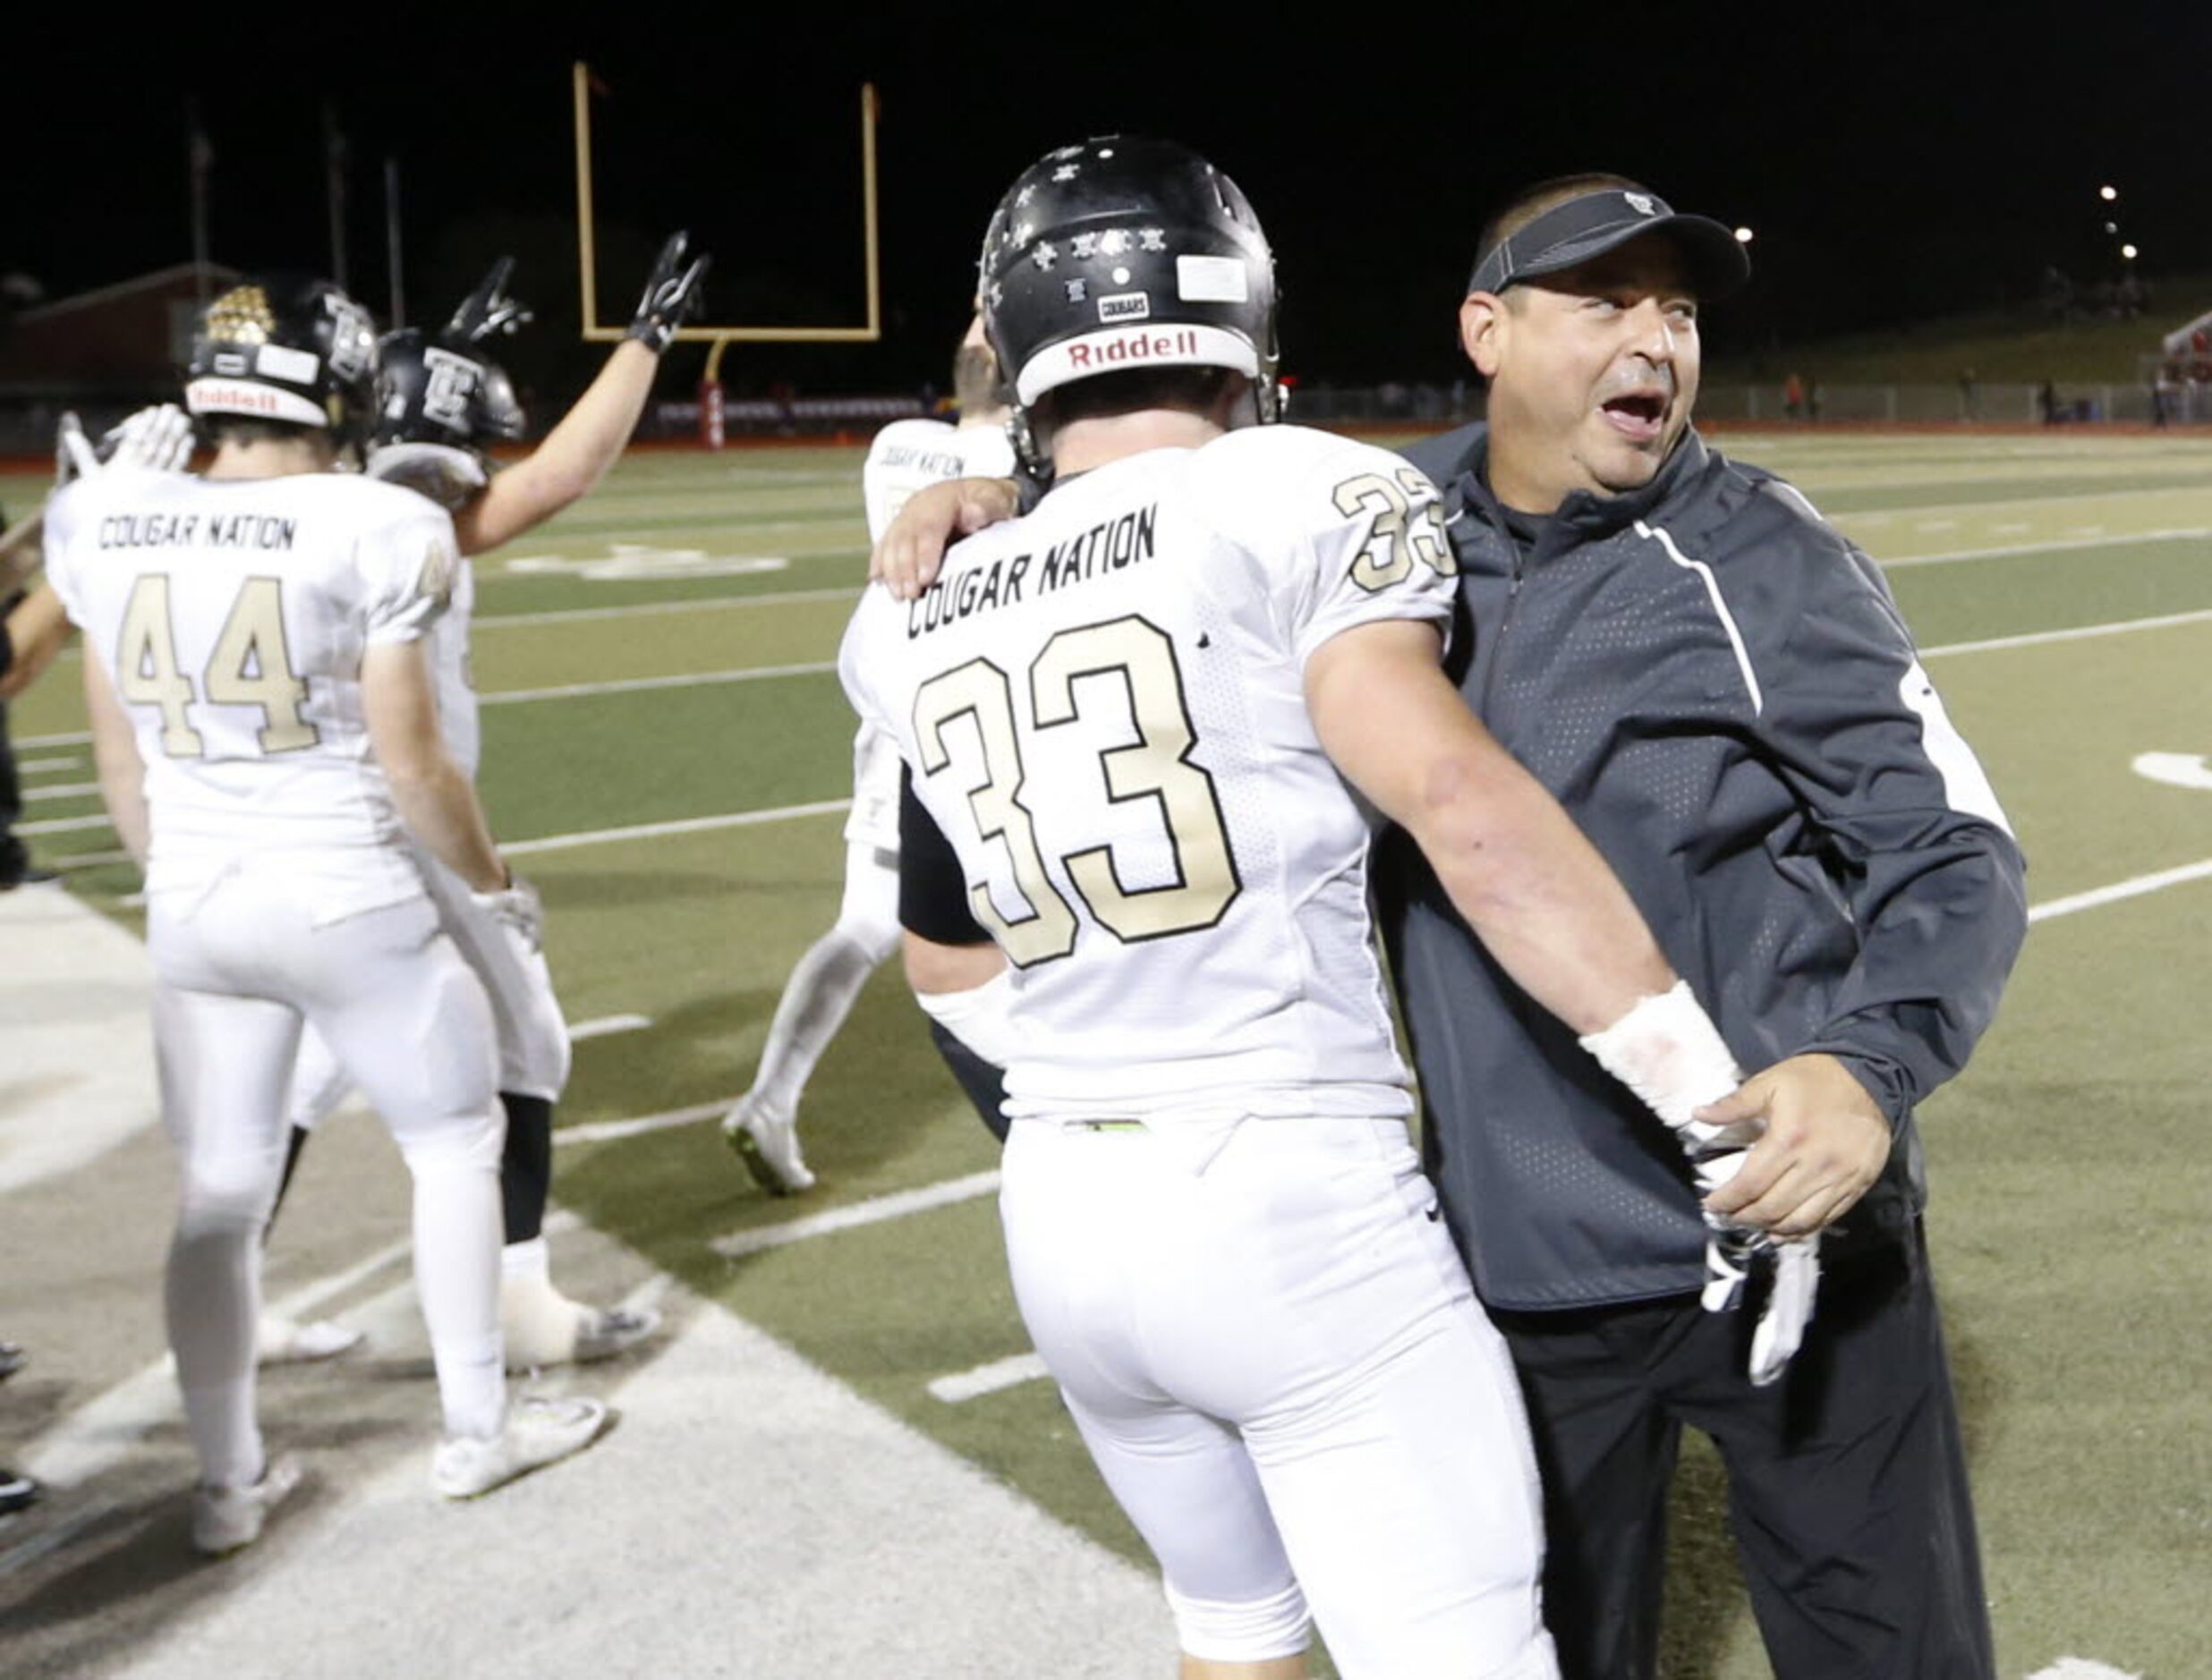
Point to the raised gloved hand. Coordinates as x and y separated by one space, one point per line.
517 909
488 311
672 295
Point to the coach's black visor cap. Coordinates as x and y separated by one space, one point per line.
1594 222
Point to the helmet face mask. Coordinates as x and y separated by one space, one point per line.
287 349
1126 253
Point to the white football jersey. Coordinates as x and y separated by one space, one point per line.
233 616
1103 706
445 642
908 455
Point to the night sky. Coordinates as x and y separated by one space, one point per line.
1896 163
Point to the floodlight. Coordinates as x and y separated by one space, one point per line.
1743 236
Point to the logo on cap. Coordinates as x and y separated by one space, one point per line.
1638 202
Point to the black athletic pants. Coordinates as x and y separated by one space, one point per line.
1847 1480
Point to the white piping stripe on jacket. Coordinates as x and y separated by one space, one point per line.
1658 534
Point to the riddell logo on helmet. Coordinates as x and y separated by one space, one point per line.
1127 347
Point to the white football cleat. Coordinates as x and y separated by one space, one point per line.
281 1341
226 1520
768 1143
537 1432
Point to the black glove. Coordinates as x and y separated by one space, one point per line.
672 296
488 311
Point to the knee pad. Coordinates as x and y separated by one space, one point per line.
1254 1630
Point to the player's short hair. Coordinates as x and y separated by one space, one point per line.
215 430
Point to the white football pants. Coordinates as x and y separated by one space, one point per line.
534 1051
237 969
1279 1367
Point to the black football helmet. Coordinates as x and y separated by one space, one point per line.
440 402
1126 252
284 347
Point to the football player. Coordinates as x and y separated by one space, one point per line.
266 733
761 1128
441 402
1153 719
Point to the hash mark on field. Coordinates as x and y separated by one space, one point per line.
37 766
875 1211
606 1025
60 790
963 1386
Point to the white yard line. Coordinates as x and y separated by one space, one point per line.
641 685
2080 633
606 1025
2135 888
685 824
62 790
609 1131
2182 534
897 1205
1012 1371
49 766
642 609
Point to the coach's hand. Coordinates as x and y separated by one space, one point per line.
1824 1140
908 559
672 295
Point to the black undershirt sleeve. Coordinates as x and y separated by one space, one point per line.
932 892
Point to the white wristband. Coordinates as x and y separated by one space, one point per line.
1667 1050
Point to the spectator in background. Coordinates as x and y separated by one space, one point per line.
1793 397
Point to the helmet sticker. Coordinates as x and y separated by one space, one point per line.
281 361
1125 306
1211 280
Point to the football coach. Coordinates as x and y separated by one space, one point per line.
1717 686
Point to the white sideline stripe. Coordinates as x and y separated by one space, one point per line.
2080 633
2174 534
1000 1373
640 684
2119 890
875 1211
641 609
685 824
606 1025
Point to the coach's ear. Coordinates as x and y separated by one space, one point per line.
1482 319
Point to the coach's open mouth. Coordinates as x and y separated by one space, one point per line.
1637 415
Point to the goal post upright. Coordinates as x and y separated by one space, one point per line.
720 337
